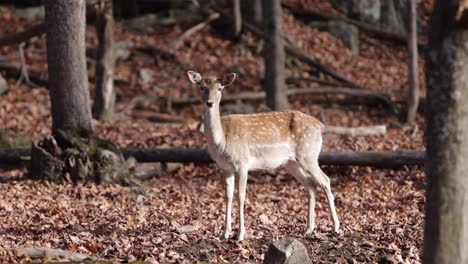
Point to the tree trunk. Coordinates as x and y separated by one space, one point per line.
252 11
126 8
68 77
257 12
446 228
104 99
237 22
274 56
73 152
413 93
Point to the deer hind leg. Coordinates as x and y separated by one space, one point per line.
297 172
321 179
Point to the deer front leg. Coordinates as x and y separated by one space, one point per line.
242 191
229 188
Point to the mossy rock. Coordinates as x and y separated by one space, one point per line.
14 141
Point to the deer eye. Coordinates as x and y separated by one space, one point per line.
201 87
220 88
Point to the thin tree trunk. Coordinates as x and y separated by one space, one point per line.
237 22
252 12
126 8
413 93
446 228
274 56
66 57
104 99
257 12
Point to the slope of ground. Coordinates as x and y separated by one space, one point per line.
381 210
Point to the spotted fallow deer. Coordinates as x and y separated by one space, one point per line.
241 143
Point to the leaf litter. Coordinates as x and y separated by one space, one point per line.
179 216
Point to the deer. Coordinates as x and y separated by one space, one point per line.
246 142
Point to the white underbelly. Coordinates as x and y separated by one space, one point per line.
269 156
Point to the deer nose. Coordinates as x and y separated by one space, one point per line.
209 104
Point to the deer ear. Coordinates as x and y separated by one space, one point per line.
228 79
194 77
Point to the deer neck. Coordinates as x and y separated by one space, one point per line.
213 129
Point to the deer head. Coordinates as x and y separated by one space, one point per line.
211 87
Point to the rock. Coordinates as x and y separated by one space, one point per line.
3 85
110 167
142 22
148 170
123 49
146 75
287 251
36 12
186 229
364 10
264 219
393 15
342 5
347 33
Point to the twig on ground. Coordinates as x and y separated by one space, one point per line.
175 44
24 76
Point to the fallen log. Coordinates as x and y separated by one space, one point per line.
15 72
379 159
160 53
302 56
15 157
357 131
374 96
174 45
158 117
23 36
293 79
40 29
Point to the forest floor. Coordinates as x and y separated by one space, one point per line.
381 211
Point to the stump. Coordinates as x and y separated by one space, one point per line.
70 157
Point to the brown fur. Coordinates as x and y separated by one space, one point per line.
269 127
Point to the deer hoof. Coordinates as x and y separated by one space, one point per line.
240 237
336 227
309 231
225 235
